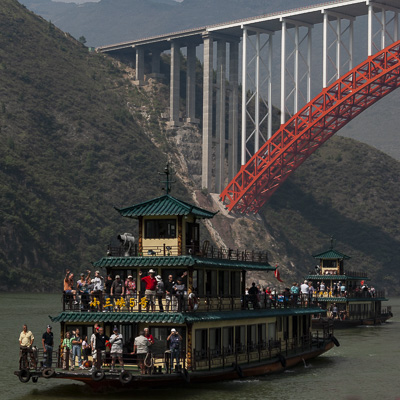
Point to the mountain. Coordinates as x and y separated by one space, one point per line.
73 145
78 138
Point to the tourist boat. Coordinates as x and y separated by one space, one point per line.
226 334
347 296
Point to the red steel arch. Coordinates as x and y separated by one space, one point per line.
307 130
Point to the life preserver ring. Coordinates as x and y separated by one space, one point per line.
335 341
35 379
24 375
125 377
98 375
48 373
282 359
185 375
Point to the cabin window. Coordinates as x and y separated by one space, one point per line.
240 338
262 333
201 344
215 342
198 282
160 228
223 283
286 327
235 283
272 331
227 339
211 283
251 337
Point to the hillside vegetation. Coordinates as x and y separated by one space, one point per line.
77 138
73 145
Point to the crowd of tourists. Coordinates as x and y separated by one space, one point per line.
108 294
77 351
305 293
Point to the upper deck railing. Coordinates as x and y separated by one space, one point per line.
205 251
139 303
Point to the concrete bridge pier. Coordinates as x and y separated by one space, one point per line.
139 66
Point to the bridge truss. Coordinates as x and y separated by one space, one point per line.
308 129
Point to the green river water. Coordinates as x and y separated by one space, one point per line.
366 365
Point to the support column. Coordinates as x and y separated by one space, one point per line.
207 112
155 63
283 73
139 66
244 96
233 109
191 84
370 22
325 52
174 84
220 116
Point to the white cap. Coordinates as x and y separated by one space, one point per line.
173 330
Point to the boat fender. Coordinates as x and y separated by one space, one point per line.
185 375
125 377
24 375
335 341
282 359
238 369
48 373
98 375
35 379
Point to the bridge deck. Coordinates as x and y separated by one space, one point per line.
269 22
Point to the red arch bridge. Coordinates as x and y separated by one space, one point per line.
308 129
285 58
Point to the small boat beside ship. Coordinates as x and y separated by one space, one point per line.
346 295
224 334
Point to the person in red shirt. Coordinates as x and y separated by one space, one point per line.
148 335
151 286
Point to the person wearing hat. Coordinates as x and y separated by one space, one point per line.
116 341
98 287
47 342
175 347
117 288
160 292
150 289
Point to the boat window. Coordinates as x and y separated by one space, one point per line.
223 283
160 228
215 341
262 333
227 339
272 331
198 282
240 337
201 344
235 283
211 283
251 336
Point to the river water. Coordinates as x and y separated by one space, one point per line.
364 367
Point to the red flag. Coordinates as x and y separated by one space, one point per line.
362 283
278 275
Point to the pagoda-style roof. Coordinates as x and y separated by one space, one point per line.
180 318
331 255
164 206
180 261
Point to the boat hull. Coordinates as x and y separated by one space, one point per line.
112 380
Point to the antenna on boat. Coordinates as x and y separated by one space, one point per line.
332 242
167 171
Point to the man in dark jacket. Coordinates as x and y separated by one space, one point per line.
101 340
